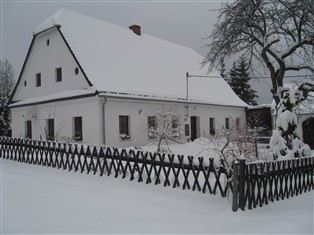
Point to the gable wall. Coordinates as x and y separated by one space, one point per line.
45 59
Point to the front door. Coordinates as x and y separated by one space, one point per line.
308 132
194 128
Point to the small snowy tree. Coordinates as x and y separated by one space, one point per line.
168 127
239 82
286 141
6 87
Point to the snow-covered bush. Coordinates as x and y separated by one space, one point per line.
286 141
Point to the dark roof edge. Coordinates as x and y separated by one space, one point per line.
55 100
22 70
76 60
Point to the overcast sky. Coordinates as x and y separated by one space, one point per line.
183 22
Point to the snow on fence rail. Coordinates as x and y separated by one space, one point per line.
260 183
166 169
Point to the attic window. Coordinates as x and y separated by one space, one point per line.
38 79
25 83
48 42
58 74
76 71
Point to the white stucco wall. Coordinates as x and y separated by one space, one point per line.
62 113
99 113
138 111
45 59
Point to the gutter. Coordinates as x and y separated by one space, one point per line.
104 120
158 99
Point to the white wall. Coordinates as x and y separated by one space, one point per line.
99 113
45 59
138 111
62 113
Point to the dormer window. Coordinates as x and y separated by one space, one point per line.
59 74
38 79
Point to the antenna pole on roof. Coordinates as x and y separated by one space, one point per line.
187 95
187 86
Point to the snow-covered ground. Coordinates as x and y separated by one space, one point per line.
40 200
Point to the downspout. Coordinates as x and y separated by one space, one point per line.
104 120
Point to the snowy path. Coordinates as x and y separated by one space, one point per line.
41 200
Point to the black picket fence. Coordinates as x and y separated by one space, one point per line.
261 183
167 169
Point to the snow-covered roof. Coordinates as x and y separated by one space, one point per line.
115 59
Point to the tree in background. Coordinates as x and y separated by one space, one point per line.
277 34
222 69
239 82
6 86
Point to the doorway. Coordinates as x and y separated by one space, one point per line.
308 132
194 127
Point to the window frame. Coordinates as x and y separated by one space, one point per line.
212 126
50 125
227 123
28 129
38 79
151 126
124 127
58 72
78 128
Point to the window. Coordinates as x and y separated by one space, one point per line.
151 126
174 122
78 128
76 71
28 129
212 126
227 123
38 79
238 122
175 126
58 74
47 42
50 130
124 127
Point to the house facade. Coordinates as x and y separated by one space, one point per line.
92 82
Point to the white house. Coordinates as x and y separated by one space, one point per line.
99 83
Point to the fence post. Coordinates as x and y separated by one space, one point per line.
241 182
235 186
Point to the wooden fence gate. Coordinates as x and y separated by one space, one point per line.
260 183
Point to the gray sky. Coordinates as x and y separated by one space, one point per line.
183 22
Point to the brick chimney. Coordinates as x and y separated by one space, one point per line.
136 29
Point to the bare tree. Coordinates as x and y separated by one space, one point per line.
277 33
168 126
6 86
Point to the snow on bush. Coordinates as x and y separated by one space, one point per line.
285 141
